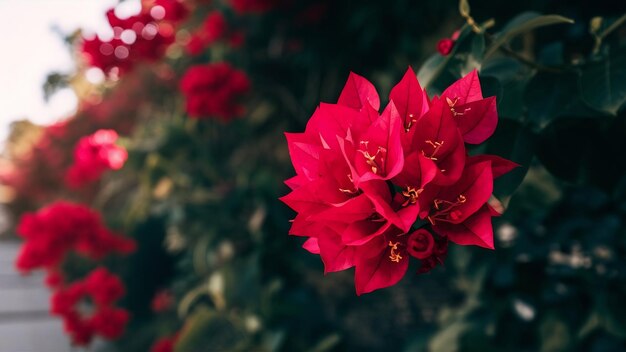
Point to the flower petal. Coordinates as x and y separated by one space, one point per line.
335 255
304 155
474 231
465 90
409 98
499 165
358 92
312 245
477 120
376 270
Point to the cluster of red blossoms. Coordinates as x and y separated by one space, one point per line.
214 90
61 227
214 28
93 155
372 189
49 235
142 37
88 307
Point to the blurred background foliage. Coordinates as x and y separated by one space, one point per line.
200 196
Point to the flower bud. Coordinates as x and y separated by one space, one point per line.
420 244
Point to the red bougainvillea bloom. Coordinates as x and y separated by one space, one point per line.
81 332
109 322
214 90
99 290
165 344
141 37
373 189
62 227
105 288
195 45
476 117
214 28
93 155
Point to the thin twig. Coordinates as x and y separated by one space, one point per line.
507 51
615 25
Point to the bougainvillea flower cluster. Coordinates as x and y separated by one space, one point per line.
53 231
142 37
214 90
93 155
87 307
375 188
214 28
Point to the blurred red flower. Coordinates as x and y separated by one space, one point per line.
214 28
162 301
93 155
54 279
62 227
165 344
141 37
109 322
104 287
214 90
172 10
87 307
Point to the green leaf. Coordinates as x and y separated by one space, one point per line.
449 337
514 142
603 82
478 47
430 69
209 330
611 312
551 54
512 77
523 23
592 323
563 152
552 95
464 8
572 149
555 334
327 343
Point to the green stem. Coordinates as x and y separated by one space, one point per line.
532 64
615 25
